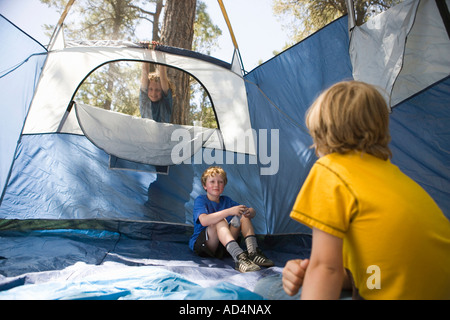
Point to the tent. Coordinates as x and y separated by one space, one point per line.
74 227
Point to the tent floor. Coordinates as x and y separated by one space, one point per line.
99 264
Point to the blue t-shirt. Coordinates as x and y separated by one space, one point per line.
203 205
160 111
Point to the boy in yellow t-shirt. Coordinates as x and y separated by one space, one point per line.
374 229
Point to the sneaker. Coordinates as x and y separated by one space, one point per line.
244 264
260 259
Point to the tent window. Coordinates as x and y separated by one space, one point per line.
118 87
129 109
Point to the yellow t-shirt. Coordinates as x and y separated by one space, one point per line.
396 240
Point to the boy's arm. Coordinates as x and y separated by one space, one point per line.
163 79
325 273
144 75
213 218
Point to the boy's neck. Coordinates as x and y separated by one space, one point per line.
213 198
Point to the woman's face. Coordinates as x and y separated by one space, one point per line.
154 91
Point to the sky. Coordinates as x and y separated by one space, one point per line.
258 32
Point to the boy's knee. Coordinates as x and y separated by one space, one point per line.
245 219
220 224
212 228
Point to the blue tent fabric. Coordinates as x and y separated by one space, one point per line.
60 176
420 144
279 92
72 228
46 184
20 68
63 181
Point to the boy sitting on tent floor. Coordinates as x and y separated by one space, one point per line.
218 221
374 228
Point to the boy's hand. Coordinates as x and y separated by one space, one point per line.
237 210
293 275
249 213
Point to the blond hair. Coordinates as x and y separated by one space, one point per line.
211 172
351 115
154 76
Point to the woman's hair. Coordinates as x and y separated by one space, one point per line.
351 115
211 172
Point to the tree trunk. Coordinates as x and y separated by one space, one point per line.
178 31
156 15
118 18
360 12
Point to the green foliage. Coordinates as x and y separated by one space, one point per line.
205 32
115 86
201 110
125 96
303 17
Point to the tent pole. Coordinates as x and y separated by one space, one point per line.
230 29
445 15
351 15
61 21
